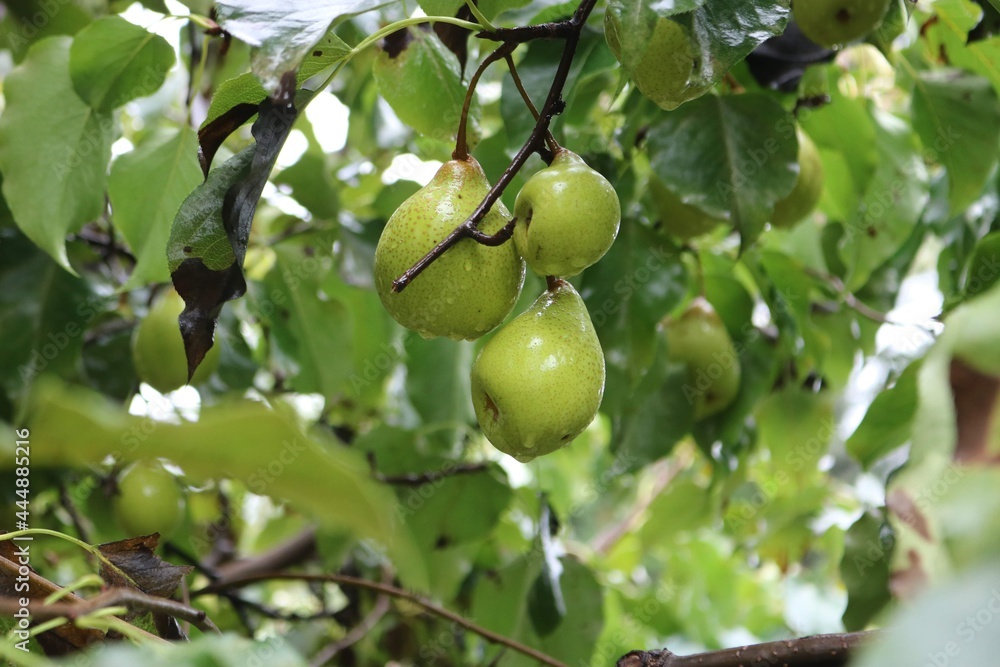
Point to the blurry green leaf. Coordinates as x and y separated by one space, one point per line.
437 381
958 118
44 313
893 202
113 62
887 423
751 141
144 214
683 506
944 625
636 20
54 149
312 334
865 570
275 456
957 18
455 509
227 650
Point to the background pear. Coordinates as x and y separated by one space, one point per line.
665 72
567 217
699 339
538 382
471 288
808 190
834 22
681 220
158 348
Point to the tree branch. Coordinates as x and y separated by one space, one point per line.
392 591
570 31
815 651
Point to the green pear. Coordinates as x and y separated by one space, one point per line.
808 190
833 22
538 382
567 217
158 348
681 220
666 71
699 339
469 289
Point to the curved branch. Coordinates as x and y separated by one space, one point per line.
815 651
569 30
392 591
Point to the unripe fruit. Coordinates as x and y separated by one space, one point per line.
567 217
808 190
665 71
538 382
699 339
149 500
681 220
834 22
158 348
469 289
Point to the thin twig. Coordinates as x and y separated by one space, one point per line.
420 478
549 139
114 597
853 302
391 591
355 634
553 105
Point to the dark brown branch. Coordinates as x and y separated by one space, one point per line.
549 139
391 591
570 30
815 651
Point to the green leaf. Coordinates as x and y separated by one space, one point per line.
437 380
113 62
729 156
958 118
198 230
246 88
283 33
144 212
893 202
945 625
455 509
311 333
951 35
888 422
412 64
44 313
54 149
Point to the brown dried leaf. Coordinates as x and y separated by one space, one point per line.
133 564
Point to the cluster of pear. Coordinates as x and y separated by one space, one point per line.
685 222
539 381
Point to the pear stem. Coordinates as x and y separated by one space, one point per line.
461 144
553 283
570 31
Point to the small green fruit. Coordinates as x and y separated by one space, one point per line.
808 190
469 289
567 217
538 382
699 339
158 348
666 70
681 220
149 500
833 22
